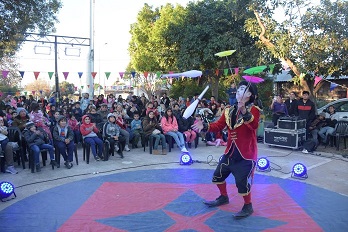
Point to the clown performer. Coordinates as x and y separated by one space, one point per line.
242 120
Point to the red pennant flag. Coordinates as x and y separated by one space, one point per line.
88 86
5 73
36 74
65 75
93 75
317 80
75 88
217 72
146 74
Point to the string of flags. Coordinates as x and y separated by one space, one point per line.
333 85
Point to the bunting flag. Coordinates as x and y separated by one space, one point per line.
50 75
75 88
93 75
1 94
271 68
65 75
36 74
158 74
107 74
80 74
82 86
121 74
236 71
25 93
22 73
317 80
207 72
225 71
33 92
146 74
88 86
5 73
133 74
332 86
217 72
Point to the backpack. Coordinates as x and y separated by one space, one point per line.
310 145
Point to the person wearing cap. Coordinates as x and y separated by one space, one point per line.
63 138
89 132
103 112
112 134
6 148
21 119
239 159
37 141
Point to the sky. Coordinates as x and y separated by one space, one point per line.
112 19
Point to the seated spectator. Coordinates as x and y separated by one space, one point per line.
152 128
95 117
6 147
132 110
329 128
39 119
37 140
278 108
136 130
198 118
103 112
77 111
75 126
63 138
316 125
21 119
54 119
89 134
150 107
170 127
185 125
123 128
14 115
112 133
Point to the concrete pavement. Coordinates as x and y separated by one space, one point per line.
325 170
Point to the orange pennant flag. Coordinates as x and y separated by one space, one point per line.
146 74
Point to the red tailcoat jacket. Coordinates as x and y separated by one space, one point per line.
242 135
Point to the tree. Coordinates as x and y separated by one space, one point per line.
9 84
40 87
312 40
20 17
181 39
67 89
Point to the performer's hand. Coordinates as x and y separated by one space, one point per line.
197 126
241 107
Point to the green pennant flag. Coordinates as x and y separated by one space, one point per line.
50 74
82 86
271 68
158 74
225 71
107 74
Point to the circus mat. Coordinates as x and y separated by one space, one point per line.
171 200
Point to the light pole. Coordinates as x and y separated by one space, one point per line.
100 51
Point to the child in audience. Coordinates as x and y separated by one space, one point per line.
112 133
75 126
136 130
89 133
37 140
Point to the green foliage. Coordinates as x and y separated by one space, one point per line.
20 17
66 89
13 78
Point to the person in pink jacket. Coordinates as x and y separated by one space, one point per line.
170 127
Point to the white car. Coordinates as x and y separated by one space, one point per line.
341 108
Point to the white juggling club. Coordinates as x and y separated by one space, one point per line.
189 110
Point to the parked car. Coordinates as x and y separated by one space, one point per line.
341 108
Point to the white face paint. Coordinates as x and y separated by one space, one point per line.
242 95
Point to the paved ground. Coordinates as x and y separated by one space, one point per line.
325 170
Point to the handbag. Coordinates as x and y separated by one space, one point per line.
156 132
